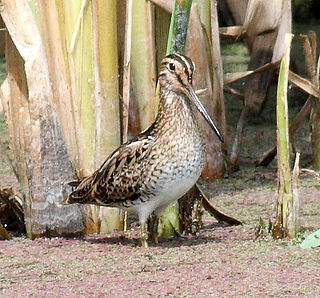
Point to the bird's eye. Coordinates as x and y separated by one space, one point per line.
172 67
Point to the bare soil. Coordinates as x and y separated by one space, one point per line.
217 262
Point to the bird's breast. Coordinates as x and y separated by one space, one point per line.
180 158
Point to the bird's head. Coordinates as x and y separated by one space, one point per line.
175 75
176 72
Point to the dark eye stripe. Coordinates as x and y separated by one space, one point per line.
180 80
189 64
185 62
192 67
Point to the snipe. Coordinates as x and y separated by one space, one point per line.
160 164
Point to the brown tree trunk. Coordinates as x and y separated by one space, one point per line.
37 140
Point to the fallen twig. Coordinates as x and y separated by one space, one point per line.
220 216
304 84
312 173
268 156
233 77
233 91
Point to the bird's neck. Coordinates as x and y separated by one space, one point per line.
172 103
174 110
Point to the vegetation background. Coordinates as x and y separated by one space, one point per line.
219 260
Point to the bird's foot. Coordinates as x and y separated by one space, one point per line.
144 235
144 243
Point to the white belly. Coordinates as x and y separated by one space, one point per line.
171 192
179 172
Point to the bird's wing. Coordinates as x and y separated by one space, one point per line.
119 178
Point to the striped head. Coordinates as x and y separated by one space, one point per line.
175 75
176 72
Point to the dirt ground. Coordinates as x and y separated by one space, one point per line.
218 262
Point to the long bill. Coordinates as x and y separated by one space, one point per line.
195 99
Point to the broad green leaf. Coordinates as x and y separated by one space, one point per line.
312 240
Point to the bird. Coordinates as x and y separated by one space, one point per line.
161 163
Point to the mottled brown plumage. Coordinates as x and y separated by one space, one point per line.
160 164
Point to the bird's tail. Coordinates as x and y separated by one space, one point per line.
74 183
81 191
66 191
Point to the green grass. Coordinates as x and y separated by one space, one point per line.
235 57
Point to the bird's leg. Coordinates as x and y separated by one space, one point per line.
153 223
155 229
125 220
143 235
